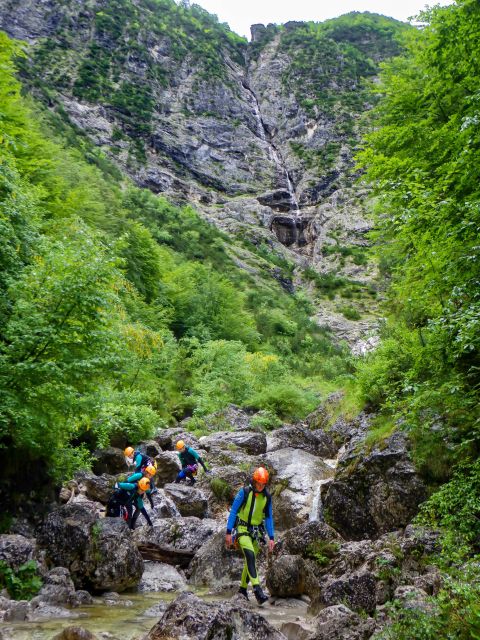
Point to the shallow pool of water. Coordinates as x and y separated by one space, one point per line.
120 622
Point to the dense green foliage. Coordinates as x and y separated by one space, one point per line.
423 157
329 61
22 584
120 313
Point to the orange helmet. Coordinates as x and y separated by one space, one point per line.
144 484
150 469
260 475
129 451
180 444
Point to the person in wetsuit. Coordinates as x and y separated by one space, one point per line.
250 517
189 459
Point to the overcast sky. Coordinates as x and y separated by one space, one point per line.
240 14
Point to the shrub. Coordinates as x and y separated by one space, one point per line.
22 584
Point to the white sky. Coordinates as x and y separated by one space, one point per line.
240 14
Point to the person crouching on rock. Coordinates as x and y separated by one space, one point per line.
189 460
139 488
250 515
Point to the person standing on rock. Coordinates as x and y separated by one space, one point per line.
138 487
250 515
189 459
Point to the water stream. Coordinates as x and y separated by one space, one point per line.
275 155
133 616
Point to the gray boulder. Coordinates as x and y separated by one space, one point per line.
168 466
374 492
338 622
164 506
297 541
75 633
100 554
162 577
110 460
167 438
189 501
357 590
95 487
190 617
175 540
15 550
296 477
150 447
288 577
299 437
215 566
58 588
252 442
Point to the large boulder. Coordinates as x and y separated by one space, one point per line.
99 553
338 622
110 460
252 442
288 577
168 466
189 501
298 540
190 617
167 438
175 540
164 506
215 566
15 550
357 590
150 448
296 478
299 437
374 491
95 487
158 576
58 588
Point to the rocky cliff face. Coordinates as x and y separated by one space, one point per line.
259 137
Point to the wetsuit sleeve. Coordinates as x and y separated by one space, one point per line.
269 520
200 460
197 457
150 499
129 486
237 503
138 461
135 478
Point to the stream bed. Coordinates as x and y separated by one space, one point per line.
133 615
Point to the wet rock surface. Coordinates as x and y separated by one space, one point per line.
175 540
100 554
15 550
190 617
319 444
110 461
297 472
188 500
374 491
251 442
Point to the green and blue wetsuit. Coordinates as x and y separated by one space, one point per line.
131 485
248 515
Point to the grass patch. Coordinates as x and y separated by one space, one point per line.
322 551
381 429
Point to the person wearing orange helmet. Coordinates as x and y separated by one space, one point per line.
189 459
137 487
251 514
